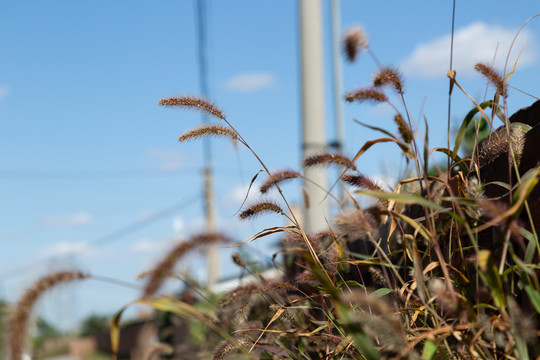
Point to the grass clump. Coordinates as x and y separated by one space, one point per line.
444 266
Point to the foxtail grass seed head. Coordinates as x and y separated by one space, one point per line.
389 77
493 77
366 94
329 159
18 324
307 277
259 208
278 178
208 130
237 259
305 198
443 296
241 313
361 182
237 294
193 103
356 224
403 128
226 349
166 265
499 143
354 41
377 276
315 240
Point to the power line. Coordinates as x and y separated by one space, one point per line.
102 174
113 236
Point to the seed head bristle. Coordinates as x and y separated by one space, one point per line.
208 130
366 94
403 128
277 178
18 324
329 159
261 207
388 76
354 42
166 266
194 103
492 77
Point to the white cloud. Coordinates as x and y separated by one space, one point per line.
474 43
236 196
65 249
167 160
4 91
250 81
77 219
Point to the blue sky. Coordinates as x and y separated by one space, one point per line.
86 151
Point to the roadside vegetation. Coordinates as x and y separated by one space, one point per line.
443 266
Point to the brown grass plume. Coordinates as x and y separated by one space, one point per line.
277 178
366 94
493 77
261 207
389 77
354 42
329 159
18 324
208 130
166 266
193 103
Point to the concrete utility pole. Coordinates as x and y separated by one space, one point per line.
338 79
212 255
313 111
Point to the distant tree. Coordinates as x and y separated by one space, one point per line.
94 324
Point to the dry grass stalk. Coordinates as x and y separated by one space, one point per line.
389 77
277 178
403 128
493 77
261 207
354 42
194 103
166 266
366 94
18 324
327 159
208 130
